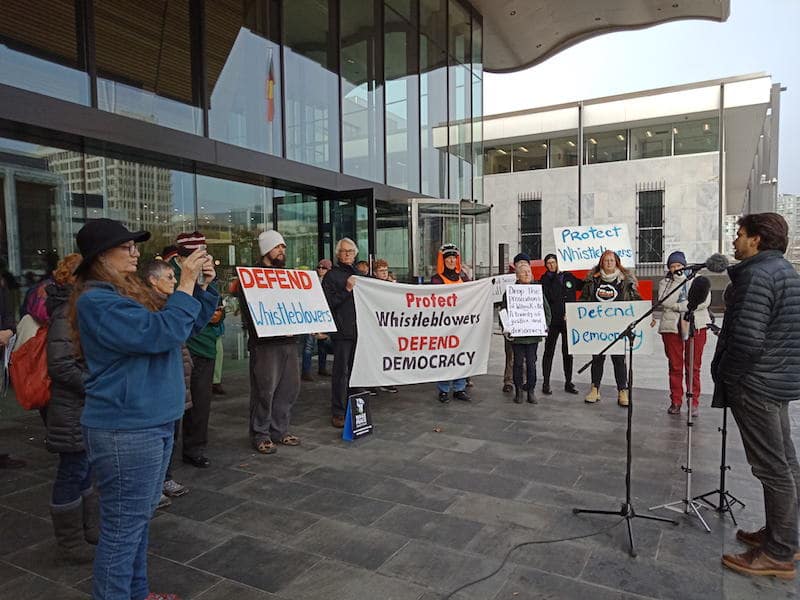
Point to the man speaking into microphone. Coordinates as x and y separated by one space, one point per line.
756 371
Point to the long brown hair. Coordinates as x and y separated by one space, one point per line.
598 269
126 284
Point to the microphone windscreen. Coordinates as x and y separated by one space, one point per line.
717 263
698 292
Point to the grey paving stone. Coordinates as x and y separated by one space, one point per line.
365 547
227 590
19 530
498 511
353 481
429 497
211 479
262 565
344 507
421 524
264 521
9 572
482 483
448 442
532 584
46 560
166 576
328 579
447 459
16 480
278 492
201 505
32 587
181 539
414 471
539 473
33 500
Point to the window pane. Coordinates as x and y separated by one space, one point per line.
608 146
692 137
433 117
532 245
144 62
497 160
312 84
651 209
297 222
460 32
477 137
362 94
650 142
433 21
564 152
530 155
651 244
42 59
244 73
402 98
530 216
392 237
460 152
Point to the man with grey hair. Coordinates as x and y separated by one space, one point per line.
338 287
274 365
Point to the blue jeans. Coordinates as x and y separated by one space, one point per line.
129 468
458 385
73 476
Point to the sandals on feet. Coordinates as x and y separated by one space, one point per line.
290 440
266 447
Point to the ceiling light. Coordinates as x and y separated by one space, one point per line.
620 137
675 130
501 151
648 133
522 149
592 140
544 146
706 127
570 143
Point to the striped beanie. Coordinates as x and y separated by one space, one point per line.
189 242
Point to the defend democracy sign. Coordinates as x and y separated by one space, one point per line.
285 301
581 246
420 333
526 310
591 326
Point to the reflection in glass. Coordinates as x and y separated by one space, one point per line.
460 151
402 97
652 141
564 152
692 137
34 59
362 96
433 118
297 221
349 218
497 160
530 155
244 74
459 33
608 146
144 62
312 84
392 237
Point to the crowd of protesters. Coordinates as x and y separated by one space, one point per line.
131 358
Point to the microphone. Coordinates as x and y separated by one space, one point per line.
698 292
716 263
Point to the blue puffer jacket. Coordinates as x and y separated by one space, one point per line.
759 345
134 357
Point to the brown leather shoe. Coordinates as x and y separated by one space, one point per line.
756 539
756 562
337 421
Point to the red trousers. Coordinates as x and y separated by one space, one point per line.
678 357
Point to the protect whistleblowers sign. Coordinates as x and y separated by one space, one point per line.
420 333
285 301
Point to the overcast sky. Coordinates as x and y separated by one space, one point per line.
759 36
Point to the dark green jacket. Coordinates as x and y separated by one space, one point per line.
204 343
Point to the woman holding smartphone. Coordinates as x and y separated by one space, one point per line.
134 391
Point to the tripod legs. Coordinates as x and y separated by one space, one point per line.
628 513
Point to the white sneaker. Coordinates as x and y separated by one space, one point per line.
173 489
163 502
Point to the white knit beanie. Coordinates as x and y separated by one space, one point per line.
267 240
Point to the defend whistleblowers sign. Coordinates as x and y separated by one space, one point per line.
580 246
285 301
417 334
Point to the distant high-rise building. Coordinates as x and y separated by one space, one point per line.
789 206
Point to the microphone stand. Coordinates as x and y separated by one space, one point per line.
627 510
688 503
726 500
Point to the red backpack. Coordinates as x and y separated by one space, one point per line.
28 372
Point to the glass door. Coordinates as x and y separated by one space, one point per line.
297 220
349 215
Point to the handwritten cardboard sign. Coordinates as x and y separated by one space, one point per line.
580 246
526 315
591 326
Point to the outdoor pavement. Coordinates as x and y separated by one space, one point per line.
432 500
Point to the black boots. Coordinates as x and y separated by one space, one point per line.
91 516
518 395
68 526
532 396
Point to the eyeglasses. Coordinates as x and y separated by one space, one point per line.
132 249
345 251
321 268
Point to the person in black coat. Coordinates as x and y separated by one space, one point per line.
338 287
756 371
74 505
7 329
559 288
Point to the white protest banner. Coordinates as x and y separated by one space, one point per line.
499 285
526 310
591 326
420 333
285 301
580 246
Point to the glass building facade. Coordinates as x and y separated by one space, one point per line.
321 118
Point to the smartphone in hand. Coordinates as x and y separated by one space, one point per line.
201 279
